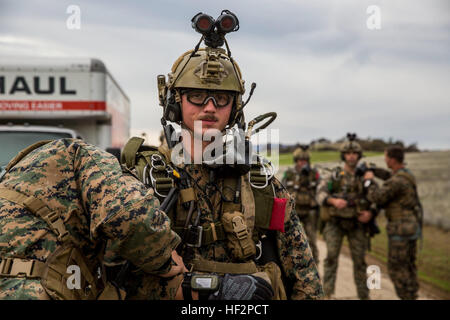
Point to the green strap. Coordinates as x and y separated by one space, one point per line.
228 191
128 156
212 232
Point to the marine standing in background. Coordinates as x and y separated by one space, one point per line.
345 212
399 198
301 182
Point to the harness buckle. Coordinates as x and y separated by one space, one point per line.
14 267
239 228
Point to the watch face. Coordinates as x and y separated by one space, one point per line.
367 183
203 282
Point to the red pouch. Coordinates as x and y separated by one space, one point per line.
278 212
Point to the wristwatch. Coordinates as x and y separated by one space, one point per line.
205 284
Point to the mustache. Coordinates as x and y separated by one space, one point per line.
209 118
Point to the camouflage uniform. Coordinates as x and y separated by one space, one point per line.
302 186
96 202
292 251
345 185
398 196
222 217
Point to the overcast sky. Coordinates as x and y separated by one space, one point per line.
315 62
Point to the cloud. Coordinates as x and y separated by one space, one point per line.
316 64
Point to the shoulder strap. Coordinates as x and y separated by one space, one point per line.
408 177
39 209
128 156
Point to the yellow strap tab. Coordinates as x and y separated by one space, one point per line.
213 231
187 195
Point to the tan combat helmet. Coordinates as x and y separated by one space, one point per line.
301 153
351 146
210 68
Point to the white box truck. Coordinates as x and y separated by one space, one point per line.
52 98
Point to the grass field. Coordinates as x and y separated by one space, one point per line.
433 259
432 171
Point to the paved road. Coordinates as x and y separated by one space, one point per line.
345 285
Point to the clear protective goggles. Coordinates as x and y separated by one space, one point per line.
201 97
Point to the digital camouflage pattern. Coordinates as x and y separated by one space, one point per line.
397 194
402 268
303 188
347 186
334 233
96 201
295 255
399 199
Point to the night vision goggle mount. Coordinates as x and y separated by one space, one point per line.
351 136
304 147
214 31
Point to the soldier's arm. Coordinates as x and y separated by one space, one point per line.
296 258
382 195
122 209
297 261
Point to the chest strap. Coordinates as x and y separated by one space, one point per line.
202 265
38 208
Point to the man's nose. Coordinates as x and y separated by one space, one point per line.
209 106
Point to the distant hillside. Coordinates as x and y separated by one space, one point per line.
377 144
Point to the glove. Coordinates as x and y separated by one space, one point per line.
243 287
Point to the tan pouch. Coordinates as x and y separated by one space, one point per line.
273 273
404 227
55 276
346 213
239 241
324 212
408 227
303 199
